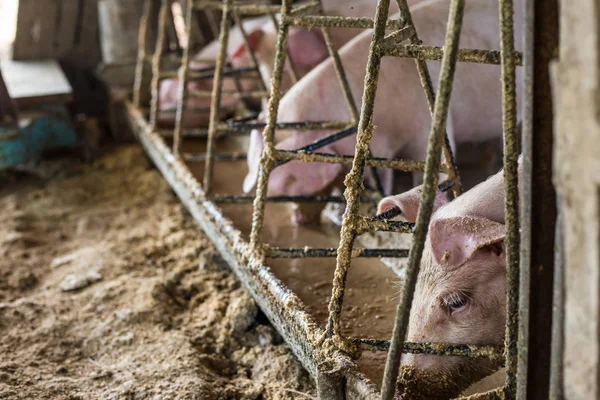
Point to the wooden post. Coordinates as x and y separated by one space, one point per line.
577 179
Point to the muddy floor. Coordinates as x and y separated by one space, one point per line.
108 290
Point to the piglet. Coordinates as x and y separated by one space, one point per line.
402 120
460 295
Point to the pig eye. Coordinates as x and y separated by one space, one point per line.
455 302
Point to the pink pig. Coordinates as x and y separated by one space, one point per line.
401 116
307 49
460 295
198 108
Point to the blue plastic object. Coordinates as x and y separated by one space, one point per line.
49 131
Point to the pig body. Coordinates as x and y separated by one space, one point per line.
307 49
401 115
460 297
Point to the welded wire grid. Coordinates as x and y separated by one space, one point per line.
353 224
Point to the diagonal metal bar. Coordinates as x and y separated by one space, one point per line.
216 96
267 159
182 93
436 140
427 84
157 61
354 179
142 56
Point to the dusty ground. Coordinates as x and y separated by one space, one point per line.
108 290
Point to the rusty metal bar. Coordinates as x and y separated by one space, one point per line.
267 159
368 224
245 9
330 381
538 212
216 95
291 70
436 141
141 56
156 62
236 199
495 353
509 122
308 252
208 73
182 92
427 84
238 94
238 20
354 179
301 125
435 53
338 22
402 165
306 9
199 157
496 394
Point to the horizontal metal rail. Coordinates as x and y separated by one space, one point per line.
338 22
235 199
402 165
435 53
200 157
307 252
495 353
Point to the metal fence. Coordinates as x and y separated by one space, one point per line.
326 354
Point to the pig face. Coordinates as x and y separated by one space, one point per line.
459 299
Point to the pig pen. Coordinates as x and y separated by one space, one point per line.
288 269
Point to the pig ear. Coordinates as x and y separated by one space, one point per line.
307 47
254 153
254 38
408 202
454 241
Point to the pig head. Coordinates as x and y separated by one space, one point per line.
460 295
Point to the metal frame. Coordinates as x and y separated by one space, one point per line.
325 353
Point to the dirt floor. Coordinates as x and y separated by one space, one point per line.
109 290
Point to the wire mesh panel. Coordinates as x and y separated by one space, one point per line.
326 352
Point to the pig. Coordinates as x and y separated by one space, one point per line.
307 49
460 296
197 112
401 118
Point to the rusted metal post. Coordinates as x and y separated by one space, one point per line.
538 212
425 77
139 82
354 179
267 160
432 166
331 383
157 61
509 122
182 93
217 88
